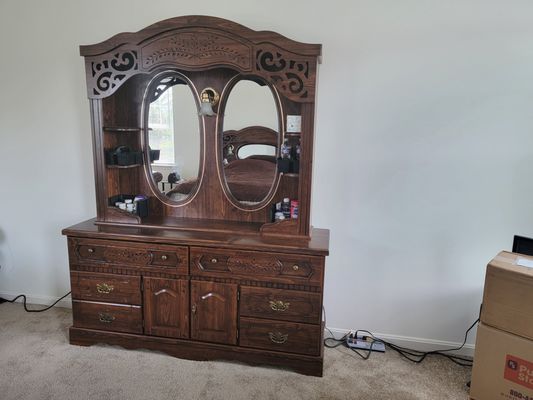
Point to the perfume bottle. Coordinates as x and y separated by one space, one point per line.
286 150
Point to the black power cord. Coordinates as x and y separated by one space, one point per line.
410 354
2 300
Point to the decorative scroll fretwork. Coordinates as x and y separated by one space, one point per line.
165 84
197 50
290 74
107 74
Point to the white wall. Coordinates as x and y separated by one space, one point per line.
423 159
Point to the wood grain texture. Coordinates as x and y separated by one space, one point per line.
112 317
215 237
106 287
288 337
276 267
155 257
214 312
284 305
166 307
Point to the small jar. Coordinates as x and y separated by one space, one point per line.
279 216
122 206
130 207
128 201
286 207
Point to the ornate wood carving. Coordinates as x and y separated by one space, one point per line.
291 74
197 49
106 74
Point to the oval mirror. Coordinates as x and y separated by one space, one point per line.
173 138
250 140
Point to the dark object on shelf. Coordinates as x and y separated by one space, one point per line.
523 245
295 166
154 155
173 177
158 177
284 165
142 205
122 155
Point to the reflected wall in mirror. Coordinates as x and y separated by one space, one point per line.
173 137
250 142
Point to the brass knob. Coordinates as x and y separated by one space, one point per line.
164 257
89 250
214 260
295 267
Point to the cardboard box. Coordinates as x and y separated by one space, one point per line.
508 294
503 366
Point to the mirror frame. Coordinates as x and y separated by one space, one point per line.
224 96
150 88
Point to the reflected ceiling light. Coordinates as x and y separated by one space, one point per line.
208 99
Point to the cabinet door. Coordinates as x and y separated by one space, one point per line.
214 312
166 307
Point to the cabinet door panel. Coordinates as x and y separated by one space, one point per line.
166 307
214 312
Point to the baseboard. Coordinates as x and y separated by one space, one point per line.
414 343
42 300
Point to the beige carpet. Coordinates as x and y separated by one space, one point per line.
36 362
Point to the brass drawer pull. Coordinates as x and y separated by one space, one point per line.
279 305
105 318
164 257
214 260
295 267
104 288
90 250
278 337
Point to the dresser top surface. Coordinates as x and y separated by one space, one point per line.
318 244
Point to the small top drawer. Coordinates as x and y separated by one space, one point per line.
287 305
280 267
124 289
162 257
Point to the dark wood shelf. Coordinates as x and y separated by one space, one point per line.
291 175
124 129
293 134
123 166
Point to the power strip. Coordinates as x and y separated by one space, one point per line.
365 343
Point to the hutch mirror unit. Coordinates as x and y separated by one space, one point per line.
202 245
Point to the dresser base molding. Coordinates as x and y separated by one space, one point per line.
201 351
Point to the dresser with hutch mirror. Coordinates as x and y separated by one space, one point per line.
190 253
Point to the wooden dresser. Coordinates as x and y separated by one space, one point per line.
205 274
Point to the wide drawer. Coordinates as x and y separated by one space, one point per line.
110 317
279 267
287 305
106 288
152 256
288 337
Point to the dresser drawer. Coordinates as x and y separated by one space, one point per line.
110 317
141 255
287 305
279 267
106 288
288 337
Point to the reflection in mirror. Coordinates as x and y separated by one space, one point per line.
250 141
174 131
